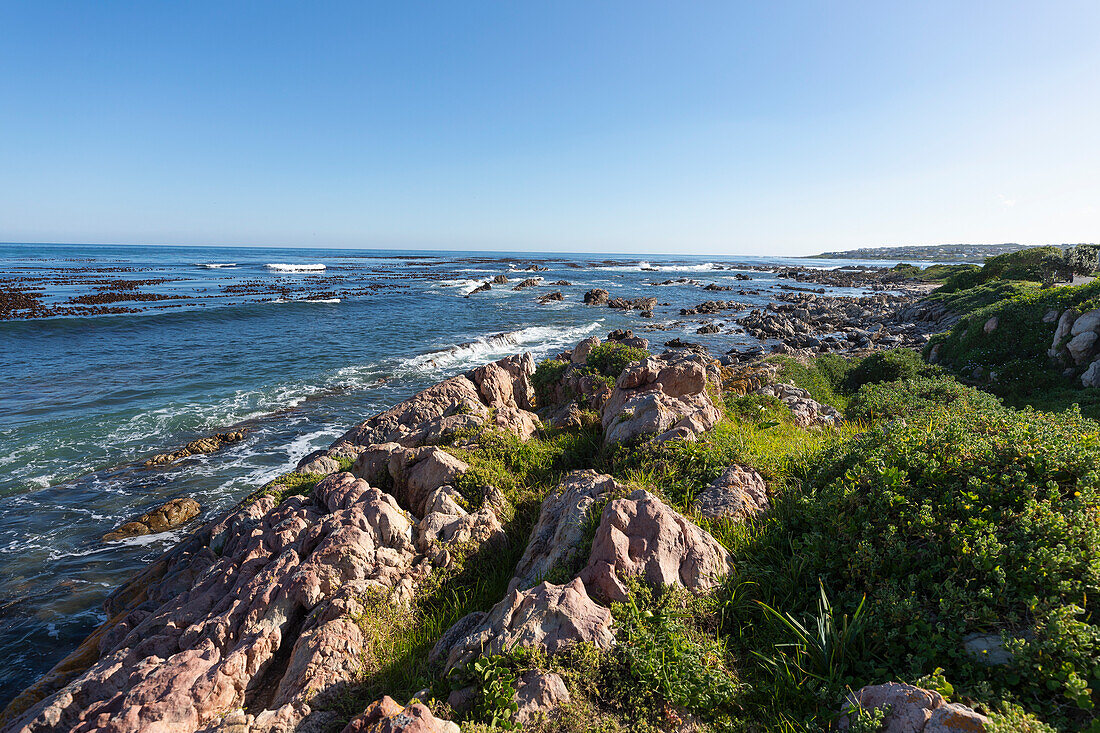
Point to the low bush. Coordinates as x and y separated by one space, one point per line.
913 397
611 357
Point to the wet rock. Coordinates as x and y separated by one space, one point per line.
501 279
480 289
537 693
596 296
643 536
547 617
661 394
197 447
558 536
913 710
709 328
737 494
388 716
528 283
168 516
643 304
551 297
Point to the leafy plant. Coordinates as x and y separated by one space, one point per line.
611 357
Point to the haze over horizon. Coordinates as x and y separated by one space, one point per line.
639 128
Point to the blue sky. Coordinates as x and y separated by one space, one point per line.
693 127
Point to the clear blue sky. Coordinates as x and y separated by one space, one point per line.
700 127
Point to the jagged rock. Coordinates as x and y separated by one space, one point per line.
661 394
388 716
197 447
528 283
170 515
480 528
914 710
417 472
807 411
547 617
461 628
321 464
558 535
550 297
568 415
738 493
596 296
501 279
581 350
643 536
537 693
485 286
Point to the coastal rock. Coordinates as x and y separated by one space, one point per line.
1091 377
485 286
641 535
168 516
807 411
661 394
913 710
1080 347
537 693
388 716
1062 332
596 296
558 535
461 628
420 471
454 404
477 529
581 350
551 297
528 283
197 447
321 464
739 493
547 617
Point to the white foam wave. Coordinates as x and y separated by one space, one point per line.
488 348
215 265
305 300
284 267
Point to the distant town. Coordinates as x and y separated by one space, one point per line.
931 252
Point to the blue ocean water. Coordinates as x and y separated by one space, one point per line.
267 339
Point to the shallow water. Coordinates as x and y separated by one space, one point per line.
84 398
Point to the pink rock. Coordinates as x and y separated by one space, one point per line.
559 532
388 716
738 493
548 617
660 395
537 693
645 537
914 710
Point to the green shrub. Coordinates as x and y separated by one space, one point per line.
971 519
823 377
905 399
611 357
548 373
886 366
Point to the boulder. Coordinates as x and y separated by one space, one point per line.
660 394
643 536
1088 321
581 350
321 464
596 296
913 710
558 535
167 516
1062 332
1080 347
547 617
420 471
739 493
388 716
991 325
537 693
1091 377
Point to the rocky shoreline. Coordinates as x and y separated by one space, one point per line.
255 621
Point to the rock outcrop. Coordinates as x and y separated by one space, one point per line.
537 693
254 613
547 617
642 536
167 516
737 494
807 411
558 536
388 716
1076 344
663 397
914 710
197 447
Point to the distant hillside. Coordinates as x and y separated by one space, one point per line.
931 252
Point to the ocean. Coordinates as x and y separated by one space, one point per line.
147 348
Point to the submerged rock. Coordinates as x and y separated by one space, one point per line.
197 447
167 516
